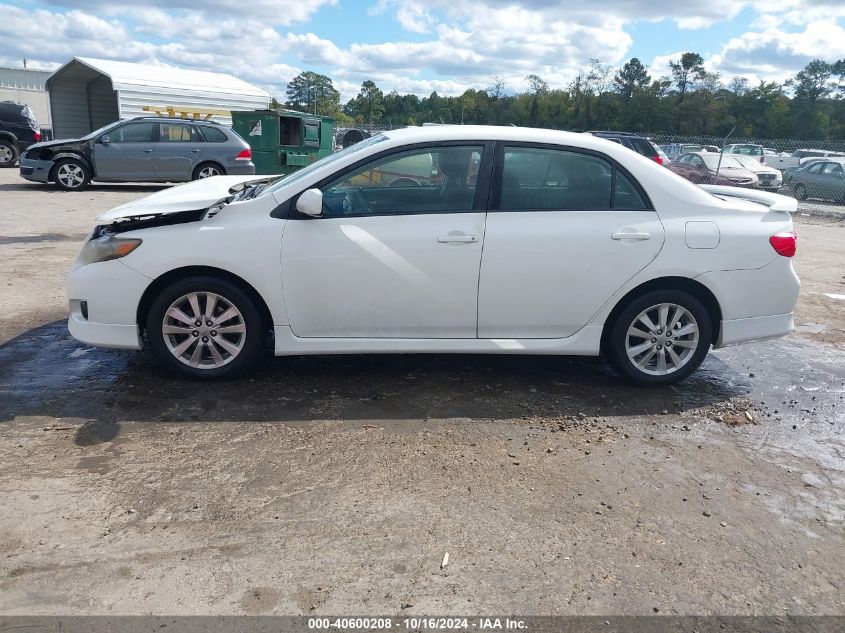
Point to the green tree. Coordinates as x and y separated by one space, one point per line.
631 76
369 104
686 72
312 92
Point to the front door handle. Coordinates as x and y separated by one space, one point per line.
148 151
195 151
459 239
631 236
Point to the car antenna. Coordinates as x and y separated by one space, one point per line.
719 164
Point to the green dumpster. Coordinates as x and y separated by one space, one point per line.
283 141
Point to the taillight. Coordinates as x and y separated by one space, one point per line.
784 243
657 160
37 135
244 155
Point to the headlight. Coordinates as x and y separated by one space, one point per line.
106 247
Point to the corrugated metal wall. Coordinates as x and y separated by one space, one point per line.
82 100
84 97
27 87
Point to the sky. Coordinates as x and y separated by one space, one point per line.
437 45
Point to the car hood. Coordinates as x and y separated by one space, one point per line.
191 196
61 141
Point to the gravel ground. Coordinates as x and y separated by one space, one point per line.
336 485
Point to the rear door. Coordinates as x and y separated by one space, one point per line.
566 230
180 148
832 181
128 154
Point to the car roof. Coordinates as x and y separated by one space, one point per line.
172 119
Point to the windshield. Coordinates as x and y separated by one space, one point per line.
284 181
99 131
712 161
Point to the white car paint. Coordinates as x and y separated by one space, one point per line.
529 282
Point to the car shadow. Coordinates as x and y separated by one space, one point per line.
92 188
45 372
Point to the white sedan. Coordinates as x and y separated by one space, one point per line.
490 240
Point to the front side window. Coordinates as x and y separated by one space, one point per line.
430 180
546 179
815 168
132 133
179 133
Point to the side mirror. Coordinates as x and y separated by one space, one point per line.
310 202
104 139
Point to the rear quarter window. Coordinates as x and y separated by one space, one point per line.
213 134
644 147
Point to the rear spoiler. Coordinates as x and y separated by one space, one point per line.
773 201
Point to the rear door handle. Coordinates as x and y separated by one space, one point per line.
460 239
148 151
631 236
195 151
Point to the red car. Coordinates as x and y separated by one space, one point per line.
701 168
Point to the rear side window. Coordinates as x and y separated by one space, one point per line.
550 179
179 133
213 135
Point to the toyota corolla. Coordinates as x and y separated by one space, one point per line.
490 240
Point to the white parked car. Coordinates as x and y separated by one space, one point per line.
769 178
519 241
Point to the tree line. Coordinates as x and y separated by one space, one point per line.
692 101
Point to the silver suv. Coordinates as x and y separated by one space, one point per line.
145 149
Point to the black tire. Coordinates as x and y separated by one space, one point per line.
251 346
61 174
800 191
202 167
8 154
616 342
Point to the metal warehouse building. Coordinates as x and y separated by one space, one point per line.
87 93
26 87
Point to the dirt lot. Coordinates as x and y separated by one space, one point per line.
336 485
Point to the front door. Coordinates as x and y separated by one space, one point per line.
179 150
566 231
128 155
396 252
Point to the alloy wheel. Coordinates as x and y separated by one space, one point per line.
208 172
204 330
662 339
6 155
70 175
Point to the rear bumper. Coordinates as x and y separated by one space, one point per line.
36 170
754 329
241 168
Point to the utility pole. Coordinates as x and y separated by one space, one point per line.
24 63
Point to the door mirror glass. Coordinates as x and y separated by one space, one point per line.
104 139
310 203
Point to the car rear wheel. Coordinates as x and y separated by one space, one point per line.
8 154
659 338
205 327
208 170
800 192
71 174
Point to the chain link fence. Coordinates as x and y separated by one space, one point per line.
806 169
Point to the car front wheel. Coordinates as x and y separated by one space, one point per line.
205 327
71 174
659 338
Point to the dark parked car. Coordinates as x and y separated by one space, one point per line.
701 168
18 130
144 149
822 179
639 144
